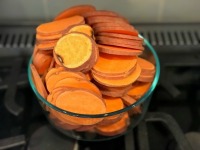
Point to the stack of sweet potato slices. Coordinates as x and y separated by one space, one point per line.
47 34
114 33
87 61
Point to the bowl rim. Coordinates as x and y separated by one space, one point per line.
138 102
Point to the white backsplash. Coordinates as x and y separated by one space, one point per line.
135 10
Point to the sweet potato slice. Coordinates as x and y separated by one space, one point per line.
53 71
114 129
60 122
74 51
138 89
64 120
93 60
113 91
121 45
54 94
53 79
82 102
83 29
121 36
129 101
113 76
63 117
113 25
78 83
52 63
147 67
48 37
118 50
42 62
75 10
116 29
38 42
98 19
85 128
125 43
112 40
57 27
66 126
144 78
100 13
112 104
46 46
115 65
38 82
119 82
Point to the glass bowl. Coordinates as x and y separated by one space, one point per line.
56 116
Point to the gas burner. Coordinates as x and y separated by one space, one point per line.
12 77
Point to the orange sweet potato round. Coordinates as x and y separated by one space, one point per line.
75 10
98 19
57 27
87 104
75 51
126 43
118 50
119 82
121 36
100 13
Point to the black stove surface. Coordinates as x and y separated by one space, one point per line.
25 117
173 115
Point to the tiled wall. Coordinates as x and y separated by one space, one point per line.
134 10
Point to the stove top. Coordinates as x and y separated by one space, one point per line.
172 121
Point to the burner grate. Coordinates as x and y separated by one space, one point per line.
17 37
19 40
16 40
171 35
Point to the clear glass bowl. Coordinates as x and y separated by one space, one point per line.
55 115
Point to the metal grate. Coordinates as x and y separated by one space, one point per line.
19 40
16 38
171 35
